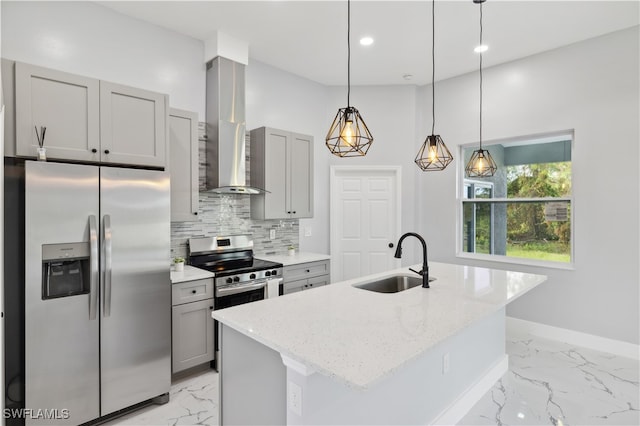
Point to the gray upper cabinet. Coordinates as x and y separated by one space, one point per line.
183 164
132 125
88 119
281 163
66 104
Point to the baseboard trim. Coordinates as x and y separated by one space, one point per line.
590 341
461 406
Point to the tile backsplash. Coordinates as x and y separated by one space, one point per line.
224 214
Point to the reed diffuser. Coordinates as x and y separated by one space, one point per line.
42 152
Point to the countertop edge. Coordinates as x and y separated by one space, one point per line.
190 273
296 259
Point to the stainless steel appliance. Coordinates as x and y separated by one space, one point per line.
96 289
225 115
240 278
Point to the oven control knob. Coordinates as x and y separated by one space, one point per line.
274 272
229 280
267 273
252 276
236 279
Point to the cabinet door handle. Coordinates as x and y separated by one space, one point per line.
211 308
94 150
308 271
106 151
294 212
193 291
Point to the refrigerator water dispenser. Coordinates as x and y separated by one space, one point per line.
65 270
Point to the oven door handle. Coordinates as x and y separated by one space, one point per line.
240 289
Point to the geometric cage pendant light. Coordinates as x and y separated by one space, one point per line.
348 135
481 163
433 154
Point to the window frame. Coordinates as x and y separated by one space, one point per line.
462 184
473 184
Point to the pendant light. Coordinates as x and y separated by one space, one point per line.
433 155
348 135
480 164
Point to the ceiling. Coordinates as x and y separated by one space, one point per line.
309 38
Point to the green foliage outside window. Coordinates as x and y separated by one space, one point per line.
529 234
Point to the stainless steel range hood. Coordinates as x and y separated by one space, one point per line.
225 113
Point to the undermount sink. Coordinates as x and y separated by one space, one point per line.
393 284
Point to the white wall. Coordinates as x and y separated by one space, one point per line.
92 40
591 87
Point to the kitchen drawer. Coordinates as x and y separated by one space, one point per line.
294 286
191 291
306 270
300 285
318 281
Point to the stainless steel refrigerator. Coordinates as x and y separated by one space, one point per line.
97 290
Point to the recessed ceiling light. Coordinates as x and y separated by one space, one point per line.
366 41
481 48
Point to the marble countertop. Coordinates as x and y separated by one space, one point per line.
190 273
359 337
299 257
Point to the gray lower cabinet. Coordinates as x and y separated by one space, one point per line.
191 324
88 119
281 163
305 276
183 164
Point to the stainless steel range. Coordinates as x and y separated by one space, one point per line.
240 278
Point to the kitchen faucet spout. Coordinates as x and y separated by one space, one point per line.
425 267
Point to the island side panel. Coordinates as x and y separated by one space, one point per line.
252 381
417 393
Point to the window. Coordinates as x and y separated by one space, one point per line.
522 213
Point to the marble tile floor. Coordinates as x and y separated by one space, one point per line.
554 383
193 400
548 383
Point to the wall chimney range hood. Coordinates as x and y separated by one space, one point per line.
226 128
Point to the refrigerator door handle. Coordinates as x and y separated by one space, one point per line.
93 266
107 265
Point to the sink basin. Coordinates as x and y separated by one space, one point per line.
394 284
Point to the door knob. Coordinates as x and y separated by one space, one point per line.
390 245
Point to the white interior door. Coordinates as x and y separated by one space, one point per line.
364 220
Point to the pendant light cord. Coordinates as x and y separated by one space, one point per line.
348 52
481 77
433 66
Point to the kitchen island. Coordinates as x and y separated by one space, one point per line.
344 355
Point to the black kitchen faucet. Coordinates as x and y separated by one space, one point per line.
425 267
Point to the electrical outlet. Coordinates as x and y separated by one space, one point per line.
446 363
272 234
294 392
307 231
